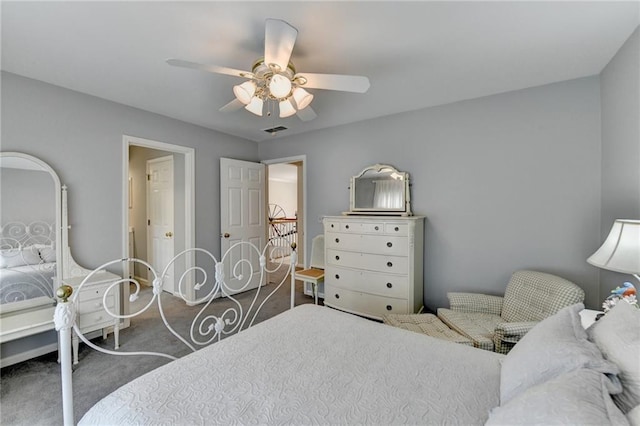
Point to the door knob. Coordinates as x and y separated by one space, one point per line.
169 234
226 235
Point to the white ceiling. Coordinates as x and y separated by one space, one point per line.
416 54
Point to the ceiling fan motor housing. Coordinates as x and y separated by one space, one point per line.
264 73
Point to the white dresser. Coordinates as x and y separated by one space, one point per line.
91 313
373 264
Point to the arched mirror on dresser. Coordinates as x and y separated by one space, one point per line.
35 258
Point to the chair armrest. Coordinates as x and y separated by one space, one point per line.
474 302
507 334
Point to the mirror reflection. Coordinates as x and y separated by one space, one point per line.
28 246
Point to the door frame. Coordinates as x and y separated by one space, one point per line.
286 160
189 205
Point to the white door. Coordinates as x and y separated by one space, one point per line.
242 218
160 217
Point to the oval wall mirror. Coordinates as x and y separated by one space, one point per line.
30 244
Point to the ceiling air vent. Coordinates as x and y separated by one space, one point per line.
275 130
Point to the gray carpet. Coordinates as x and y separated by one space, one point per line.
30 391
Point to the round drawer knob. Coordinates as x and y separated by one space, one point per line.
337 257
347 226
337 296
337 277
389 244
396 229
389 285
389 307
337 240
376 228
332 225
389 264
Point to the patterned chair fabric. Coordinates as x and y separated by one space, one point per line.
495 323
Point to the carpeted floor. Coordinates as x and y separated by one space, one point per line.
30 391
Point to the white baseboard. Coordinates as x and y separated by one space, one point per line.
143 281
23 356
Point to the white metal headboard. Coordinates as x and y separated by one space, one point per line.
206 326
35 274
14 235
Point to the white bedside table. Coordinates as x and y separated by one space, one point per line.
588 317
91 313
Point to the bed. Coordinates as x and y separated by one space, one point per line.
27 261
316 365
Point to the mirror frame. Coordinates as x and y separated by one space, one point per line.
33 316
402 211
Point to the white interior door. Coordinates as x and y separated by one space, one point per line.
242 218
160 239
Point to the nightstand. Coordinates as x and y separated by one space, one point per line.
588 317
91 313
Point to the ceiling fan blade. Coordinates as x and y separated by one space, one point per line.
279 38
345 83
210 68
306 114
234 105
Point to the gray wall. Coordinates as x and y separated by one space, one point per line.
80 137
620 92
507 182
26 196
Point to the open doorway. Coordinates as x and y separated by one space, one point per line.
158 216
286 217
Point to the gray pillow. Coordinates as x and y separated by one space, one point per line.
558 344
580 397
617 335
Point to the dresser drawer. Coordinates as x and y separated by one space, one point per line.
375 244
95 320
95 291
372 262
95 305
369 282
363 303
396 228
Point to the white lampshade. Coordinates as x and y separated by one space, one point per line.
245 91
302 97
279 86
620 252
255 106
286 109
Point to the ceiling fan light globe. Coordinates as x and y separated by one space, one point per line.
255 106
279 86
302 97
286 109
245 91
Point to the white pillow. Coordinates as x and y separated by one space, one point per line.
617 335
556 345
12 258
634 416
47 252
580 397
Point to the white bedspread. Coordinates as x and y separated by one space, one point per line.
26 282
313 365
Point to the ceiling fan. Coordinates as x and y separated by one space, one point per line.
274 79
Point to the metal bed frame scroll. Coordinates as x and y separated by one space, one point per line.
206 326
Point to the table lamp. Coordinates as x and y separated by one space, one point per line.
620 252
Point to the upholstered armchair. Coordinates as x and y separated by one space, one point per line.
497 323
